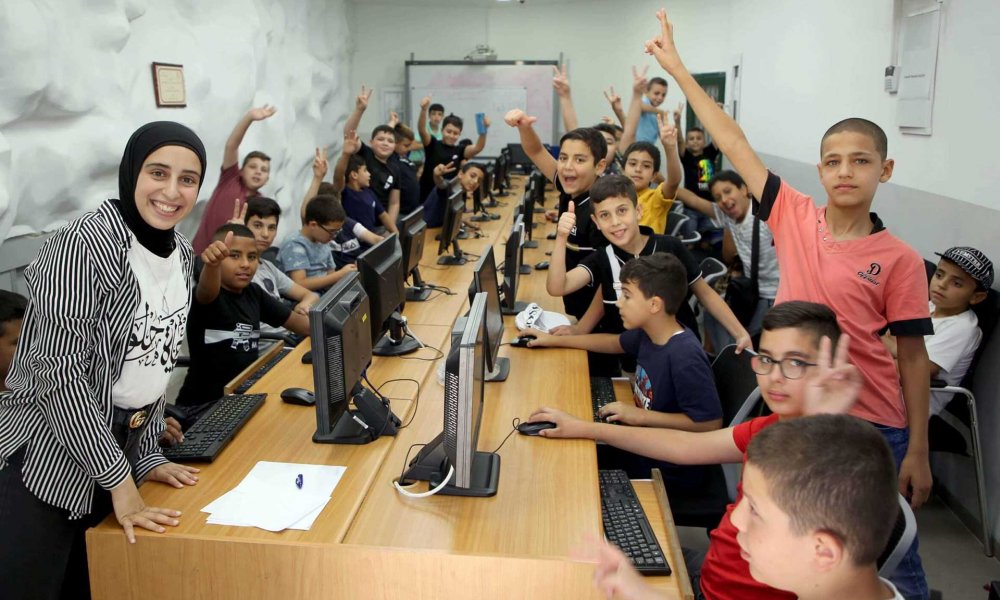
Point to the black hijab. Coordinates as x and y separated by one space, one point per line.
146 140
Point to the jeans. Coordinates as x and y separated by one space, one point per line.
718 335
909 577
693 560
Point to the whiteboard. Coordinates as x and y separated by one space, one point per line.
493 88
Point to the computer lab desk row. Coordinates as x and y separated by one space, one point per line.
370 541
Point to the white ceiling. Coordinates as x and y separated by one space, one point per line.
456 3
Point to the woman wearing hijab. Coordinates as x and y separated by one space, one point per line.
109 298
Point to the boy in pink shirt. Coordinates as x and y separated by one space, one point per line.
234 183
842 255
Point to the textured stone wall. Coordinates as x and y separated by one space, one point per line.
75 81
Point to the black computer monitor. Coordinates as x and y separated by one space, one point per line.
519 158
452 456
486 187
501 173
513 256
528 212
411 239
341 350
484 280
381 271
452 224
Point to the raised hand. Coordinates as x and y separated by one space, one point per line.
320 164
361 102
639 81
662 47
425 102
217 251
678 113
567 221
239 212
607 119
443 168
261 113
560 81
613 99
836 387
393 118
352 143
486 122
668 130
516 118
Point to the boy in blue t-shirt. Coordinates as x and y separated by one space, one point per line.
674 387
351 179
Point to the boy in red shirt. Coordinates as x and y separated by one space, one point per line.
234 183
796 378
841 254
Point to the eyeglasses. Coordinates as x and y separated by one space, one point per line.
791 368
333 232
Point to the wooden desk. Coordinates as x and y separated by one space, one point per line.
370 542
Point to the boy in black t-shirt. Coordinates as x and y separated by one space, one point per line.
699 161
223 328
674 387
447 150
409 183
615 214
384 172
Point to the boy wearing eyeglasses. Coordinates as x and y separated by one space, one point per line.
801 369
305 256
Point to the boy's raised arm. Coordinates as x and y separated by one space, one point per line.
352 143
723 129
616 104
635 107
530 142
425 138
560 81
210 280
557 281
476 148
675 171
231 153
696 202
319 168
360 106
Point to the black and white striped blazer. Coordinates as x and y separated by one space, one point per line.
83 297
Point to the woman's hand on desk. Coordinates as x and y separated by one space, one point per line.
567 426
131 511
620 412
174 474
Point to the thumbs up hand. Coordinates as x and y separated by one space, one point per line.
567 222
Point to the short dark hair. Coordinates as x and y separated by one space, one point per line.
618 128
12 307
435 108
613 186
864 127
696 128
817 319
325 209
402 131
655 81
237 230
649 149
473 165
355 162
327 189
255 154
452 120
831 473
259 206
384 129
588 135
660 275
727 176
607 128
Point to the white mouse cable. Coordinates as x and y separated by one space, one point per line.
428 493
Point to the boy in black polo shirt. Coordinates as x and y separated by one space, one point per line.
447 150
409 183
384 172
614 213
224 325
581 160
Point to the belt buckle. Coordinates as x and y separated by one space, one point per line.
137 419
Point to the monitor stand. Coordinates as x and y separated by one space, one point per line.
420 291
530 244
525 270
501 369
457 257
377 417
518 307
482 216
431 465
397 341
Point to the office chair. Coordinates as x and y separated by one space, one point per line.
900 540
956 429
712 270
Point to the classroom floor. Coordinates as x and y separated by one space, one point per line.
953 558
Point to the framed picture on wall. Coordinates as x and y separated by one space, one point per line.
168 85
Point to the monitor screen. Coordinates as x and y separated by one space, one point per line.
484 279
512 262
411 238
381 272
341 348
455 205
463 402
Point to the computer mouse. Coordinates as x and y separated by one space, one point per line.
541 266
298 396
534 428
551 236
521 341
307 358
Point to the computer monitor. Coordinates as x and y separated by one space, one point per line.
513 255
501 174
474 473
411 239
519 158
484 280
454 206
528 212
341 351
381 271
486 187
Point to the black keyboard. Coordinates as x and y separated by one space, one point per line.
213 431
626 526
261 371
602 392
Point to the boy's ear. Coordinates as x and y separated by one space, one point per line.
655 305
977 297
601 164
828 551
887 167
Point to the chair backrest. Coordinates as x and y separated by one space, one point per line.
900 540
674 223
734 380
712 269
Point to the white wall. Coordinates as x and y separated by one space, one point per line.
76 82
600 40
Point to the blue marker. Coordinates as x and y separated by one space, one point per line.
298 481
